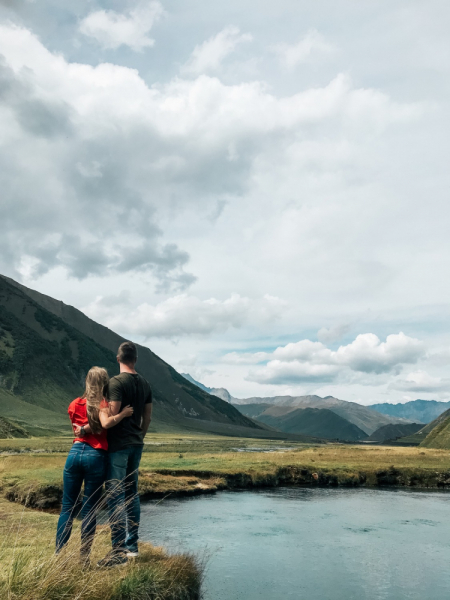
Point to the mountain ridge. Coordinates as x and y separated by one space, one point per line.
46 348
421 411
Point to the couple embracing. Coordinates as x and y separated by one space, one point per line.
110 421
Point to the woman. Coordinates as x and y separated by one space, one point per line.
87 459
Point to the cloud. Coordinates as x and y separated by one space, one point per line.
313 361
91 157
421 381
277 372
209 55
311 44
185 315
112 30
333 334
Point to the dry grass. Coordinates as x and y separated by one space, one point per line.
29 570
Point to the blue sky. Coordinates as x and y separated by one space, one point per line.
257 191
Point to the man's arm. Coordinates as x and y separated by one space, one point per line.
146 418
115 397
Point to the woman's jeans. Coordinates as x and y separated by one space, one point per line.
87 464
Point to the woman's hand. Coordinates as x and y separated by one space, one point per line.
128 411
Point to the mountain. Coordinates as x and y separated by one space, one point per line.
219 392
419 411
437 433
46 349
394 431
364 418
317 422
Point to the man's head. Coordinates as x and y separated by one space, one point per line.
127 354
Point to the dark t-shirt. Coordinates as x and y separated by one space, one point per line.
129 389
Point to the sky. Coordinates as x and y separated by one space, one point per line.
258 191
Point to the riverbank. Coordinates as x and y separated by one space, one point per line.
31 472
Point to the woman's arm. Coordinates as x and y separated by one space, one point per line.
109 421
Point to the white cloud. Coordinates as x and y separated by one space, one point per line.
183 315
332 334
278 372
209 55
368 355
421 381
311 44
98 139
309 361
112 30
235 358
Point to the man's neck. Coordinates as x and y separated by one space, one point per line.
127 368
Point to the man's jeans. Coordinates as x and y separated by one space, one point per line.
123 500
83 463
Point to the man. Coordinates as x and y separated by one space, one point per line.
125 443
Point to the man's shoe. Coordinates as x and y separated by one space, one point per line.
113 559
133 553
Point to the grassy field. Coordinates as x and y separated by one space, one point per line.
173 464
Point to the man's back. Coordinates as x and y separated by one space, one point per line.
129 389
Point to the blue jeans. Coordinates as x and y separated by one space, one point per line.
123 500
84 463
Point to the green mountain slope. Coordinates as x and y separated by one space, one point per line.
419 411
46 349
394 431
317 422
437 433
8 429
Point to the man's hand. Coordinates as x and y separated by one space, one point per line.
77 430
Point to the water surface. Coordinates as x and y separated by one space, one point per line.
312 544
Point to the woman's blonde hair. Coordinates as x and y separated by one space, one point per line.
96 389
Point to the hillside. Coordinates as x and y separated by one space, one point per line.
437 433
11 430
318 422
363 417
394 431
419 411
46 348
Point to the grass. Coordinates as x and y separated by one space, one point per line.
29 570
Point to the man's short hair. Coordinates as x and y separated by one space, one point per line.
127 353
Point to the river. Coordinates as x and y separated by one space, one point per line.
312 544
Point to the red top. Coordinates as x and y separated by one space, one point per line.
78 416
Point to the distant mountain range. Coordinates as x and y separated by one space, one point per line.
420 411
46 349
366 420
317 422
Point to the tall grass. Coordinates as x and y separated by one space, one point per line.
30 570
